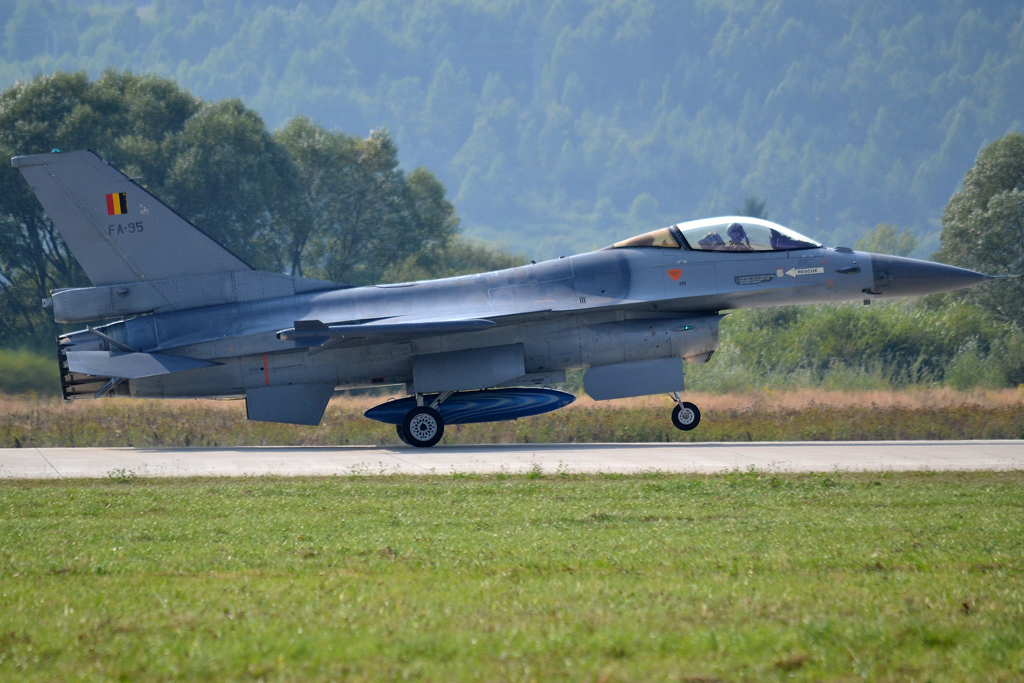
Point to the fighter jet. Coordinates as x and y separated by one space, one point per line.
194 320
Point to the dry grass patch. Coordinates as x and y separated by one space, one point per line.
756 416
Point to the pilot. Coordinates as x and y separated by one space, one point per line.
738 240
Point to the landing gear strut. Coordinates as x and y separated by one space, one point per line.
423 426
685 415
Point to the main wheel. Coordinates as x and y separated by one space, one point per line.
686 416
423 427
401 434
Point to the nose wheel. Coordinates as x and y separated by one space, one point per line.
423 427
685 415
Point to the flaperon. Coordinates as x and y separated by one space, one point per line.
197 321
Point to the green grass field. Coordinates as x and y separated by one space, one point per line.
547 576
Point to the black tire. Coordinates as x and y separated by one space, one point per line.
423 427
686 416
401 434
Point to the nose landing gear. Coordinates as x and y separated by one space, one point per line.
685 415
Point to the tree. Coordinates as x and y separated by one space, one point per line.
236 182
983 226
320 159
883 239
753 206
365 215
459 256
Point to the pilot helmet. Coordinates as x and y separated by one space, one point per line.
736 232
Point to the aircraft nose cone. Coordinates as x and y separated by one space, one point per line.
898 276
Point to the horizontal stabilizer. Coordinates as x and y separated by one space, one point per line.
116 229
316 333
131 365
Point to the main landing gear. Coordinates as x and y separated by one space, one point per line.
423 426
685 415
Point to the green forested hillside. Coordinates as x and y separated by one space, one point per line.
561 124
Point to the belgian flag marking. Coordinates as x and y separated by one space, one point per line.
117 204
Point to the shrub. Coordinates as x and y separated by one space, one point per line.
24 372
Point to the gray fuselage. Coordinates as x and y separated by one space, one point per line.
606 307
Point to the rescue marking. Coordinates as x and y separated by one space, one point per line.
266 370
675 274
754 279
795 272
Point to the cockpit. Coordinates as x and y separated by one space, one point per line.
730 233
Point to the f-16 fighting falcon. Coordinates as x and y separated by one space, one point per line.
194 320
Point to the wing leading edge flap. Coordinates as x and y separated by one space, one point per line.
129 365
311 333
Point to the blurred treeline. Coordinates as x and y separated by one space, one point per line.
567 124
937 341
301 199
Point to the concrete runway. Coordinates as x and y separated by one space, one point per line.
52 463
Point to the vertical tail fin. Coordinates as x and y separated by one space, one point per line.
118 231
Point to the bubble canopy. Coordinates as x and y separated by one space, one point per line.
727 233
